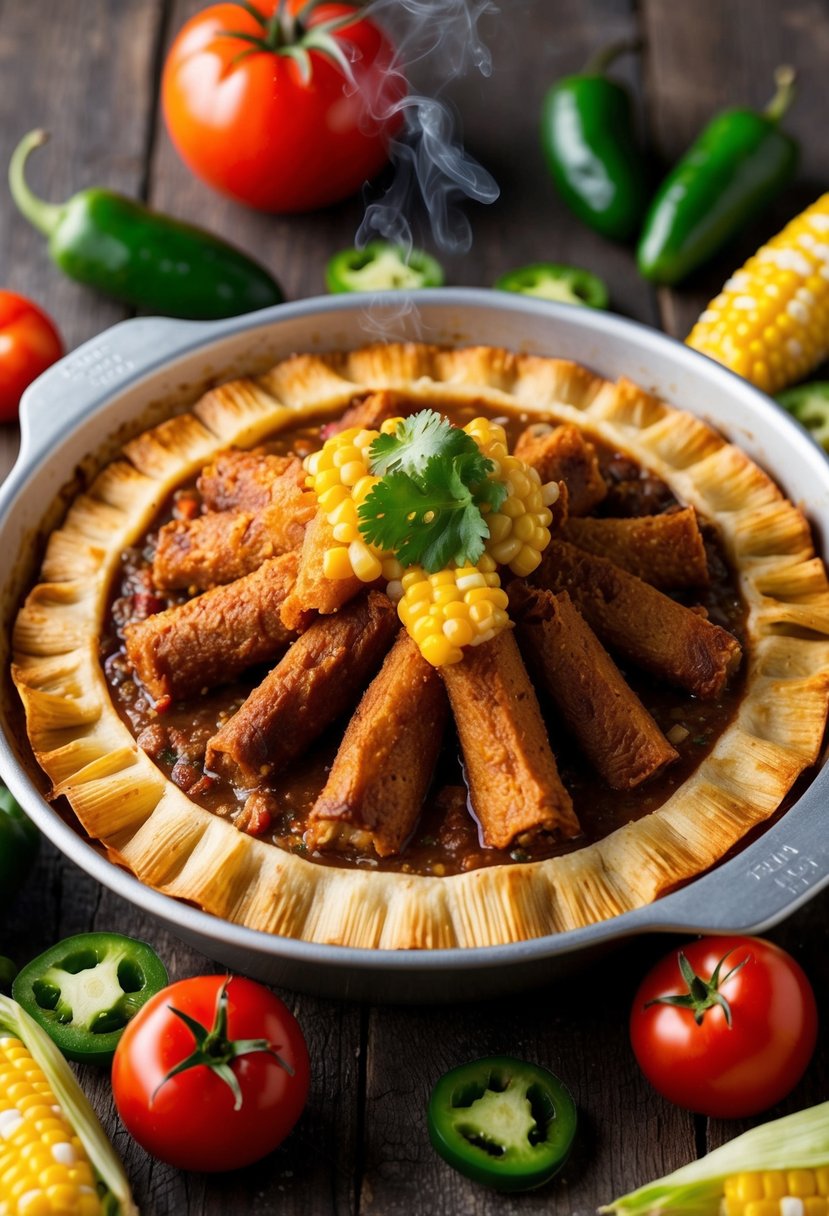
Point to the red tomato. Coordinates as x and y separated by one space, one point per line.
191 1120
29 343
245 119
708 1066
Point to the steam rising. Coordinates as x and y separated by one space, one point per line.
432 172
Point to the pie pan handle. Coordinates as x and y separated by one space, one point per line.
764 883
77 385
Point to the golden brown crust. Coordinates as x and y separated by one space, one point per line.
382 770
513 779
665 550
672 642
214 637
612 726
318 679
150 826
313 591
563 454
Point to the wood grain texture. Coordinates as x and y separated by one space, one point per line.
88 68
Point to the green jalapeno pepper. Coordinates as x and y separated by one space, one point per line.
589 141
809 404
139 256
84 990
19 842
381 266
502 1122
731 171
550 281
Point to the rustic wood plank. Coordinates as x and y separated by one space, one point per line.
707 56
576 1027
533 47
84 70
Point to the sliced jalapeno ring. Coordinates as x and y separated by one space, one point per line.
84 990
502 1122
382 266
551 281
809 404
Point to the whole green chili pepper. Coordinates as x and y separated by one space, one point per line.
19 841
732 170
590 144
139 256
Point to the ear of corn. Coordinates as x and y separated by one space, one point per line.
770 322
54 1157
745 1176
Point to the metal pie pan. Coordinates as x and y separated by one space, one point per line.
77 414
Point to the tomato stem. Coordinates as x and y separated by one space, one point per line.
702 995
216 1051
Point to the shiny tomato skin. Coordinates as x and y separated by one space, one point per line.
713 1069
29 343
191 1122
254 130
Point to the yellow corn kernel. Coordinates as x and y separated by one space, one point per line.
336 563
801 1183
788 282
38 1177
815 1205
822 1180
344 512
365 564
459 631
412 577
439 651
392 568
345 533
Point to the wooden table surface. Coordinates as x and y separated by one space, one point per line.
88 70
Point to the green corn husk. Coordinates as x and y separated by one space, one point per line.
117 1201
799 1141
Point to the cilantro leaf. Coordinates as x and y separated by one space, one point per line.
416 440
429 521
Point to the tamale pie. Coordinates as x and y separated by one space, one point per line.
411 647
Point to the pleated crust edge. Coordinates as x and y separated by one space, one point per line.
150 826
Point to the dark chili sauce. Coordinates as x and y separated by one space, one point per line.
446 840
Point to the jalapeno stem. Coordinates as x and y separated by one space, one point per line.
600 61
42 215
784 78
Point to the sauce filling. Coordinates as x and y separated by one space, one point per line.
447 839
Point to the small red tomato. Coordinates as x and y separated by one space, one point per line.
211 1074
285 107
29 343
725 1026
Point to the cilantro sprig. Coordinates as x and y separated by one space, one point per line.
434 480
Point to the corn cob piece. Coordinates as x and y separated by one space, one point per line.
54 1157
793 1181
777 1193
340 477
770 322
454 608
519 530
